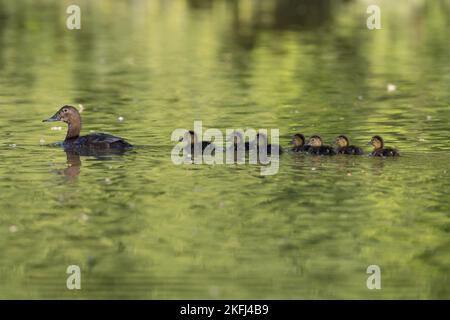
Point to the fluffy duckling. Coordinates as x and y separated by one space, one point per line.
379 149
344 147
316 147
262 142
298 142
94 141
192 140
238 142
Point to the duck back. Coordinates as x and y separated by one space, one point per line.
301 149
322 151
386 152
97 141
351 150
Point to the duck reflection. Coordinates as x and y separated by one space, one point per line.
73 166
74 161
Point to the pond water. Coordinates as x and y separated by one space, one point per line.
141 227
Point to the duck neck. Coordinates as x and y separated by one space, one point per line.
74 130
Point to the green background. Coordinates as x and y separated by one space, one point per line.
141 227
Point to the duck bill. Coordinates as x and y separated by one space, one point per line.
52 119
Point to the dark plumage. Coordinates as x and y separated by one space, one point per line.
238 142
262 142
298 142
89 143
343 146
316 147
379 149
190 137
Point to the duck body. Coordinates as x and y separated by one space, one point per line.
276 148
350 150
300 149
385 152
261 142
202 145
298 142
344 147
379 150
239 143
317 148
96 141
192 142
321 151
88 144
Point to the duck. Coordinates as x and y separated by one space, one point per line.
344 147
316 147
261 141
379 150
190 137
91 142
238 142
298 142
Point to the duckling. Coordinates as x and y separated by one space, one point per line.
239 142
343 146
192 140
298 140
92 142
261 141
379 150
316 147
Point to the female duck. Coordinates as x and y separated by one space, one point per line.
94 141
343 146
379 149
316 147
298 142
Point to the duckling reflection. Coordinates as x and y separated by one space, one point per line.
73 166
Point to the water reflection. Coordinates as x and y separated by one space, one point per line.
73 166
158 230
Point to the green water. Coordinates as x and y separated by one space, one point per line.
141 227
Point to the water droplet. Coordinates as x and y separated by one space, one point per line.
391 87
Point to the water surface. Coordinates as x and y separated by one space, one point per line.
141 227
